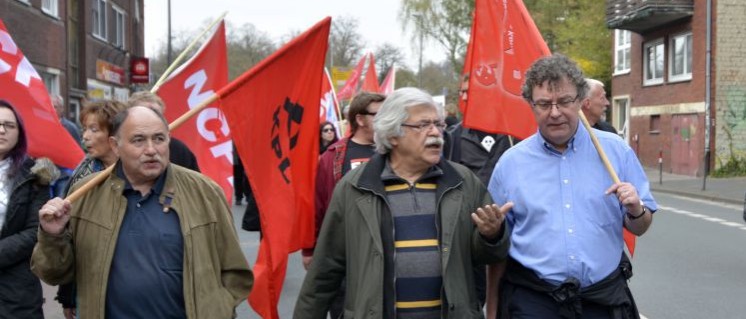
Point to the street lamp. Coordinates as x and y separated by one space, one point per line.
419 17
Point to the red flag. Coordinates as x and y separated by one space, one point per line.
387 86
329 103
371 77
273 111
207 134
22 87
504 44
350 87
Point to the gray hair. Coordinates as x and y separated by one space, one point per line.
395 110
593 83
554 69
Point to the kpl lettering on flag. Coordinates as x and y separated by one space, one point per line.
22 87
504 43
273 110
329 103
207 135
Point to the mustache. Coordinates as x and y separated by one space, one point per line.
434 141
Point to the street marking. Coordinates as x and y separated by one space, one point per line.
709 202
703 217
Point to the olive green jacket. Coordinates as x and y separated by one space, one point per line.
216 274
356 243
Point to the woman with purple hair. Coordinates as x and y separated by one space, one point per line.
22 193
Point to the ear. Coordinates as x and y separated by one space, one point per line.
360 119
586 104
113 145
394 141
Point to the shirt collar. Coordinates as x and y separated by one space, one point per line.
388 174
157 188
577 140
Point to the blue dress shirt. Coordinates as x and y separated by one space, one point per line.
563 225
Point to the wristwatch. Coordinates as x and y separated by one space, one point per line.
644 210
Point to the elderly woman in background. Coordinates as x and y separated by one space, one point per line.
22 193
96 118
97 127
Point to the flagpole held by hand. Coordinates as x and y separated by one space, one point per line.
599 149
77 194
181 56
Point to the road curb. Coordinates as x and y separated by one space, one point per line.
699 196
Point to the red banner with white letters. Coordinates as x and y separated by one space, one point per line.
23 88
207 134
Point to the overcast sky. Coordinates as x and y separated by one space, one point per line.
377 20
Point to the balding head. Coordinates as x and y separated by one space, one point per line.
595 104
141 141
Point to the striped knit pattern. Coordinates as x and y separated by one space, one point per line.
417 258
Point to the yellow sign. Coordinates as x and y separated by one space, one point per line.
340 75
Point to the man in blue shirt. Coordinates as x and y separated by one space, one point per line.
568 214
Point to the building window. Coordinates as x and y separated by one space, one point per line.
654 62
51 82
680 68
622 46
655 124
50 7
99 19
620 115
119 23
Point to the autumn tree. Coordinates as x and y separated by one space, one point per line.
387 55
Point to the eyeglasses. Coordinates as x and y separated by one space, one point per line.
426 125
326 130
561 104
9 126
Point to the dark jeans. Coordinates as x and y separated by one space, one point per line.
528 304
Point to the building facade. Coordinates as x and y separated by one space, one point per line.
660 90
80 48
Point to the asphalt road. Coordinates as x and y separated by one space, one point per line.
691 262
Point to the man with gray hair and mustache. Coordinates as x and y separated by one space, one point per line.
433 215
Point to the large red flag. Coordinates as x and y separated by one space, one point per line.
370 84
350 87
504 44
207 134
387 86
273 110
22 87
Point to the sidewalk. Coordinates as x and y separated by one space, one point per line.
729 190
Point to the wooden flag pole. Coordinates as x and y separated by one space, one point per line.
78 193
599 149
184 53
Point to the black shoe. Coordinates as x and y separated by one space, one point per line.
239 202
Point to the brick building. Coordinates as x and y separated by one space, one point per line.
80 48
659 88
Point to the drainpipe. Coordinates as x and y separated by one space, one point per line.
708 94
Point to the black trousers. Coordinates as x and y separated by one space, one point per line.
528 304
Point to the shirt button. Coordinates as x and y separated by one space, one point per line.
567 206
569 230
563 158
572 257
445 250
138 205
566 181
